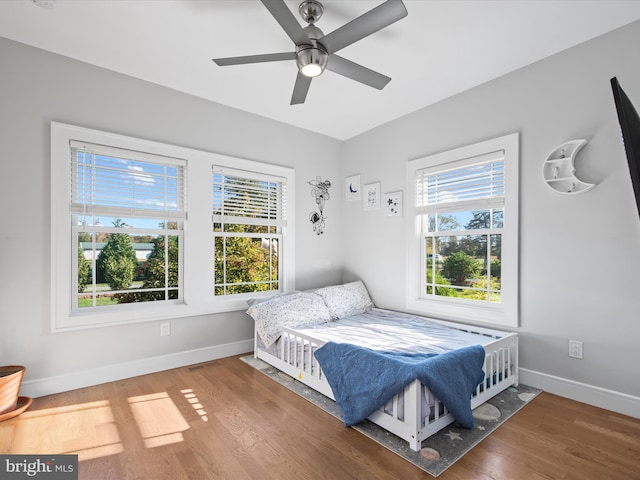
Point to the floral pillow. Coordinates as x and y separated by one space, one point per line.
346 300
295 310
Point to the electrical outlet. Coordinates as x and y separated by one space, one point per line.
165 329
575 349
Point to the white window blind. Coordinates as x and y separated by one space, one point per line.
248 198
479 179
126 183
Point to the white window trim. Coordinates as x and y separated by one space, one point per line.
198 233
504 314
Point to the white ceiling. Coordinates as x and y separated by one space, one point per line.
441 48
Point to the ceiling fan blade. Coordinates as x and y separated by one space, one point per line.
269 57
380 17
287 21
357 72
300 89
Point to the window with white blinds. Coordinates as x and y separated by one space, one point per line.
127 211
477 180
125 183
245 197
463 250
142 230
249 218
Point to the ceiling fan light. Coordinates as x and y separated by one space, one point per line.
311 70
311 61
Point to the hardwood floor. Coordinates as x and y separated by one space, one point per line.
225 420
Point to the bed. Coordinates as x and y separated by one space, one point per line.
290 329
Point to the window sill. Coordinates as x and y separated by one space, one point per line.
464 312
135 314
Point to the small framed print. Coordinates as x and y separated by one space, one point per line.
352 188
393 204
371 196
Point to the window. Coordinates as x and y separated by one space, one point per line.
133 233
127 213
249 217
463 242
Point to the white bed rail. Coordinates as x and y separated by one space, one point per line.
295 358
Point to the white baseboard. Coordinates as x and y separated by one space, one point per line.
85 378
582 392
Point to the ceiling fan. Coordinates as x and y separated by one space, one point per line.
315 51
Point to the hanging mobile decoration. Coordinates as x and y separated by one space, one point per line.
320 191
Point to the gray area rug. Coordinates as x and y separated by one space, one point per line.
439 451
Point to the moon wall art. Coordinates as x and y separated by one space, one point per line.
352 188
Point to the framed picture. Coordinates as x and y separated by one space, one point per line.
352 188
371 196
393 204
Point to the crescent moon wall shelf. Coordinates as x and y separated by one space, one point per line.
559 169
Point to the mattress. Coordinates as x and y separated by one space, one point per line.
380 329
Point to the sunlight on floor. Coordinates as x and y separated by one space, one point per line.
90 429
86 429
159 420
195 403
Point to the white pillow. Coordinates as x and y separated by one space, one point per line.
295 310
256 300
346 300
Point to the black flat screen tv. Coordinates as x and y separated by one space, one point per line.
630 126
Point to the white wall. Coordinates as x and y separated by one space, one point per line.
579 255
37 87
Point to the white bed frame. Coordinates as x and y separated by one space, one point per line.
295 358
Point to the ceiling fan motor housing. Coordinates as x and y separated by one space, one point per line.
312 58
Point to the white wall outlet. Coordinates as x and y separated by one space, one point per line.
165 329
575 349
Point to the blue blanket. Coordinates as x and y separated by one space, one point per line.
362 380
